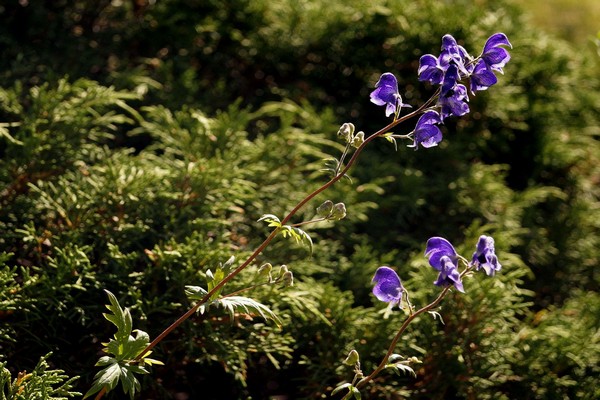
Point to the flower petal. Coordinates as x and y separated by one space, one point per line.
482 77
497 39
429 137
388 287
485 256
429 118
436 248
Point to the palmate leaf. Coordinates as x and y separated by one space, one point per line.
300 236
120 364
119 317
247 305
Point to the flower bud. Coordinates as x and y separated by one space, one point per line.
339 212
288 279
352 358
346 131
265 271
325 209
358 139
282 271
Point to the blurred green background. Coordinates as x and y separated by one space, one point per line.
141 140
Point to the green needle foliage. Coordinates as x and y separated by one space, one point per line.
141 142
42 383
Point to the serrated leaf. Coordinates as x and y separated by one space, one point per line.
273 220
195 292
135 345
107 377
248 305
120 317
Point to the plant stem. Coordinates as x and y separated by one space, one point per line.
405 324
392 346
268 240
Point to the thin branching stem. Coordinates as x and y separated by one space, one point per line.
274 233
312 221
403 327
392 346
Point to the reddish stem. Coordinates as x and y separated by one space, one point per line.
272 235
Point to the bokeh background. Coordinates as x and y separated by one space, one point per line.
141 140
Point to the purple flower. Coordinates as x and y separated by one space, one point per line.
494 56
426 133
443 258
482 77
388 287
454 54
430 69
386 94
485 256
453 97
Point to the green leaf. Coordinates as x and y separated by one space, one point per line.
248 305
195 292
271 219
401 368
107 377
300 236
119 317
341 387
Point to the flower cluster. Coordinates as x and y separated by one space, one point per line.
452 69
454 65
444 259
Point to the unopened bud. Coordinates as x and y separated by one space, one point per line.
352 358
358 139
282 271
287 279
265 270
325 209
346 131
339 212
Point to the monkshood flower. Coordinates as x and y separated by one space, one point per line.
480 70
482 77
426 133
453 97
388 287
430 69
453 53
386 94
433 68
485 256
496 57
443 258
